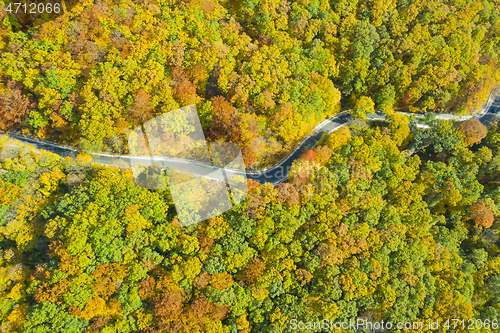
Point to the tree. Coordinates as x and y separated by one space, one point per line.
473 131
225 121
253 270
481 216
323 154
84 158
303 276
184 90
339 138
14 107
140 110
362 106
365 40
386 97
283 112
308 155
400 130
287 195
374 234
429 117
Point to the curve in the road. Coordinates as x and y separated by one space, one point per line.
275 174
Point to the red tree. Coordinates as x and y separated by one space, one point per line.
250 156
184 90
308 155
287 195
14 107
225 121
140 111
254 269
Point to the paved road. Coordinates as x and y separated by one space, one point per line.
491 113
276 174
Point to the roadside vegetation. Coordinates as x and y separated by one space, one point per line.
361 230
261 73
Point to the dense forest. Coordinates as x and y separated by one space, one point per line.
363 229
380 221
262 73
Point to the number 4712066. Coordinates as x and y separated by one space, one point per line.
471 324
34 8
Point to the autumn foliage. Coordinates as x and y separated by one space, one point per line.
481 216
309 155
97 251
359 230
473 131
140 110
97 72
14 107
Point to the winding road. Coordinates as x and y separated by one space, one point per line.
275 174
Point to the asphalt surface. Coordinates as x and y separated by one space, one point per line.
276 174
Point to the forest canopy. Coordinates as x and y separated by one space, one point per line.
262 73
380 221
362 229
